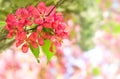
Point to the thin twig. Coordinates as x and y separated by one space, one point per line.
56 5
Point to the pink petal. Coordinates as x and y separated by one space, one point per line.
41 7
33 11
34 44
49 10
33 36
38 21
18 43
39 28
25 48
41 41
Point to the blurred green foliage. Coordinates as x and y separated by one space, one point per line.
112 27
87 14
4 42
96 71
10 6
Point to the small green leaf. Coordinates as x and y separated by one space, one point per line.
46 50
35 52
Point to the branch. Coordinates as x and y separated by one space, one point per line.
56 5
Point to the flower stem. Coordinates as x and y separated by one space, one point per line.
56 5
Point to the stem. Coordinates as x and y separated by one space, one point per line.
56 5
31 28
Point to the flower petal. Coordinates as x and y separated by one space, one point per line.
41 41
41 7
18 43
25 48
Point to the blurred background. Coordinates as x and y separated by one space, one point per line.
92 50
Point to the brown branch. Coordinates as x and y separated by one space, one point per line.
56 5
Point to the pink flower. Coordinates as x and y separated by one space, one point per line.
25 48
11 21
32 26
41 7
41 41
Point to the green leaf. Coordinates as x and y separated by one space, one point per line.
46 50
35 52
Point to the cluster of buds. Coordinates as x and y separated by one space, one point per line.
32 26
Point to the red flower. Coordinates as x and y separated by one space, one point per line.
20 38
22 14
21 35
19 42
47 25
41 7
32 39
38 20
25 48
10 34
11 21
34 44
39 28
33 36
34 25
49 9
41 41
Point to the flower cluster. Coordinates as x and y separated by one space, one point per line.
31 26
